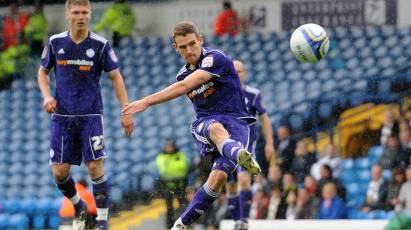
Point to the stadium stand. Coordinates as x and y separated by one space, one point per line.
302 95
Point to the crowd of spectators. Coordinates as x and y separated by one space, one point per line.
301 184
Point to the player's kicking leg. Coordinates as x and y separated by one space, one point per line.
233 149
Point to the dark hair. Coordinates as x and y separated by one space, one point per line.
328 168
184 28
227 5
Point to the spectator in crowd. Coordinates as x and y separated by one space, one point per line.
276 206
119 20
405 193
406 115
259 205
36 29
289 184
227 21
306 205
403 158
310 184
285 147
331 158
377 190
173 167
327 177
67 209
393 191
260 183
389 127
390 154
331 205
302 161
290 200
13 25
274 177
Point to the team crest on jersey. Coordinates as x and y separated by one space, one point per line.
207 62
113 56
90 53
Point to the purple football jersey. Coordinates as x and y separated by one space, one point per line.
256 108
77 69
223 93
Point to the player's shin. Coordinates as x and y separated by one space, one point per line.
202 200
229 148
101 196
67 187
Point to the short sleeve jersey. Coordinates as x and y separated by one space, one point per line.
253 101
78 69
222 94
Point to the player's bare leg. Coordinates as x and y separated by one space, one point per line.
65 184
100 192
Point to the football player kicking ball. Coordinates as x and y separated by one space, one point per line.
78 57
212 84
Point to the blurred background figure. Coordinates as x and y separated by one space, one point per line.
173 167
67 208
331 206
119 20
306 205
285 146
13 26
330 158
377 190
389 158
389 128
328 177
394 186
302 162
36 29
227 21
405 193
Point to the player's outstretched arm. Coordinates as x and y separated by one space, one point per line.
49 103
121 93
268 135
192 81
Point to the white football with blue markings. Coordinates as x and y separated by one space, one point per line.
309 43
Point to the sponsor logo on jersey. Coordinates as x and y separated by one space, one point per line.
61 51
206 90
84 65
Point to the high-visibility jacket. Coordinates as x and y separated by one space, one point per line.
118 18
36 28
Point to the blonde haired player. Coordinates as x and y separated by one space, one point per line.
78 57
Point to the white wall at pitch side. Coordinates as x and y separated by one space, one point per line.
309 224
